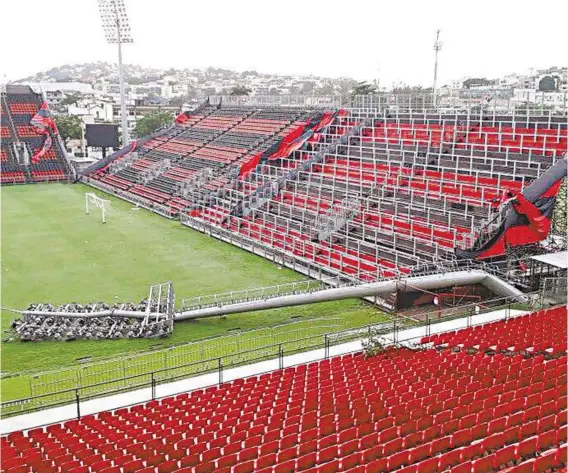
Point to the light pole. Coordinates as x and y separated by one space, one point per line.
437 49
117 31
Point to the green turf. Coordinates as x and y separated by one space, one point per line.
53 252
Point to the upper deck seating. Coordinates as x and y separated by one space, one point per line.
18 135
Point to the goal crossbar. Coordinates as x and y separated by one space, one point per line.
99 202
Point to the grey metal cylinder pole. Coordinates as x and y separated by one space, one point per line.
123 113
429 282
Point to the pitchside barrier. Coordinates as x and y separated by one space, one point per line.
119 368
125 380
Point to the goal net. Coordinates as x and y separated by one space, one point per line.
98 202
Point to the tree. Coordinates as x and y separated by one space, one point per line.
71 99
531 107
136 80
548 84
346 86
70 127
180 100
307 87
240 90
415 89
326 89
150 123
363 88
294 90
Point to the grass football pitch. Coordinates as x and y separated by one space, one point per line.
53 252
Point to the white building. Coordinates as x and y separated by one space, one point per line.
43 87
93 111
556 100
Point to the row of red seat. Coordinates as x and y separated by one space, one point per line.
456 191
151 194
8 177
217 155
475 127
178 173
536 333
53 165
517 143
27 131
181 149
259 127
449 176
539 141
387 443
141 164
23 107
365 266
217 123
115 181
422 231
52 175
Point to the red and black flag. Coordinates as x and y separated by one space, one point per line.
44 123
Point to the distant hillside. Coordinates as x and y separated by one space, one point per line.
94 71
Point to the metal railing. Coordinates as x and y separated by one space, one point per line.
76 394
447 102
262 293
554 290
155 377
278 101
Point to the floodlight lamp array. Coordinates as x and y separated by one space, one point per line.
115 21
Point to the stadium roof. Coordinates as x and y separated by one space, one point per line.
559 260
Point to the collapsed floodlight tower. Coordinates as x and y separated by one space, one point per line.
437 49
117 31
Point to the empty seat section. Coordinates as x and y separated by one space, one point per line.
402 410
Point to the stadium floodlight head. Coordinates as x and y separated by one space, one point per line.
115 21
117 31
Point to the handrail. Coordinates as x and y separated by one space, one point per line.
29 404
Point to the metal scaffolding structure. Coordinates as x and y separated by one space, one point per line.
377 195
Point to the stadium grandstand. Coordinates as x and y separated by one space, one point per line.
484 399
367 282
402 207
32 150
364 196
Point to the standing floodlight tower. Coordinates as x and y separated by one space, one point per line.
117 31
437 49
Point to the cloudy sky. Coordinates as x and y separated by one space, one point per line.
356 38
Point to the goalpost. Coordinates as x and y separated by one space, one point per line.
98 202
